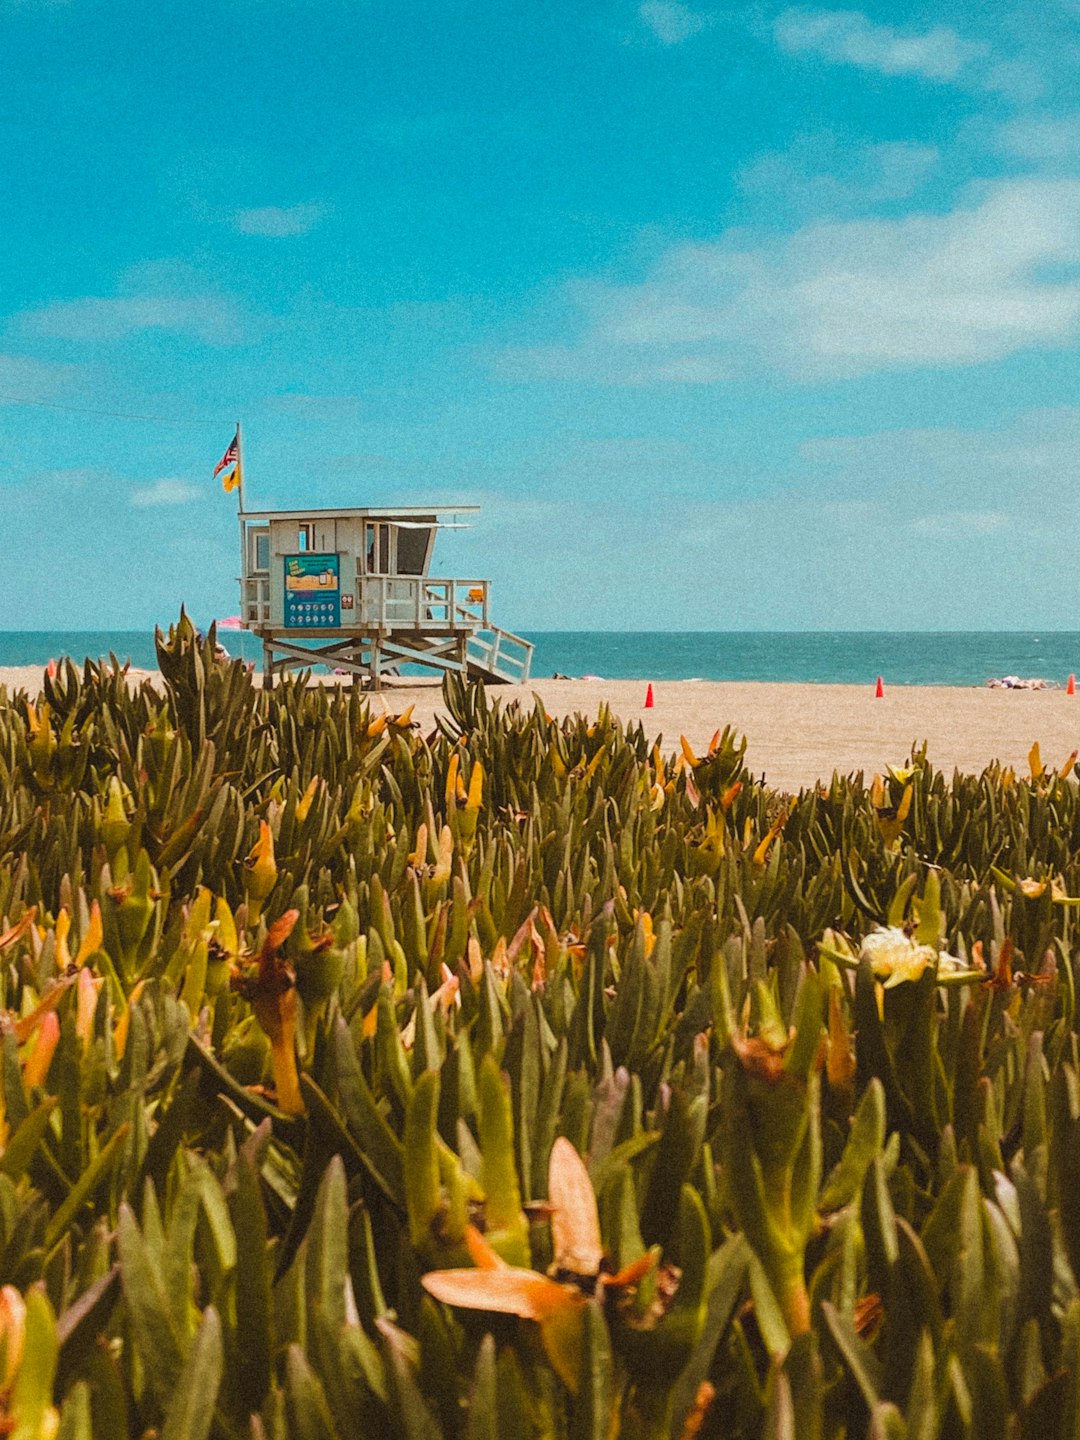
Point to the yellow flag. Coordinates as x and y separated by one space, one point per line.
233 479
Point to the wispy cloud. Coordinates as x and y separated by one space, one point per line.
23 378
165 492
848 37
308 406
959 477
93 319
670 22
279 222
961 522
1041 139
998 274
824 174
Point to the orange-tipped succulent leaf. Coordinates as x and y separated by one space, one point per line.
575 1223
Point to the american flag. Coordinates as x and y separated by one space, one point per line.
230 457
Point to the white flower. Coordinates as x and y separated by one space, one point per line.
895 957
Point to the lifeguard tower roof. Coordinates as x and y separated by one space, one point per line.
352 588
371 512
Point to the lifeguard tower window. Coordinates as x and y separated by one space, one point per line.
412 550
262 550
377 549
305 537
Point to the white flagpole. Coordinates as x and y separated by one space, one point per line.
240 463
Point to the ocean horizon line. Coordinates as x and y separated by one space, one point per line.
902 657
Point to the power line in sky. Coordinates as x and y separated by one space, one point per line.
109 414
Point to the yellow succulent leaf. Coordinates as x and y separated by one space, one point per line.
762 851
691 758
226 926
445 860
594 763
1032 888
28 1023
404 720
377 726
650 936
261 870
476 788
418 856
303 806
283 1052
476 960
63 927
1067 769
1035 762
123 1024
86 997
714 839
94 938
730 795
37 1063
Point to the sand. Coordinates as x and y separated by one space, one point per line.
797 734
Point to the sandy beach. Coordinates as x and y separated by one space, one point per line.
797 734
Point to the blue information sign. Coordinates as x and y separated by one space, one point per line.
312 592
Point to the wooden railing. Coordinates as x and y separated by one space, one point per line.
505 653
405 602
256 605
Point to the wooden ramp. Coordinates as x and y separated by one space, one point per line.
498 656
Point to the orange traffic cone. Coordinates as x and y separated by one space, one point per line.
648 698
1070 688
879 690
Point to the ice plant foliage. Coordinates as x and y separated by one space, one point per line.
520 1079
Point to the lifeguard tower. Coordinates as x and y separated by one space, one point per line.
353 590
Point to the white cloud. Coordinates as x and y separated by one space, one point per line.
96 318
952 479
825 174
165 492
279 222
961 522
1041 139
847 37
996 275
669 21
309 406
26 379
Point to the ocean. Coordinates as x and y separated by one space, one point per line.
815 657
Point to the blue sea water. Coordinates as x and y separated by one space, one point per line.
823 657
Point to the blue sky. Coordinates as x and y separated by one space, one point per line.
729 318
